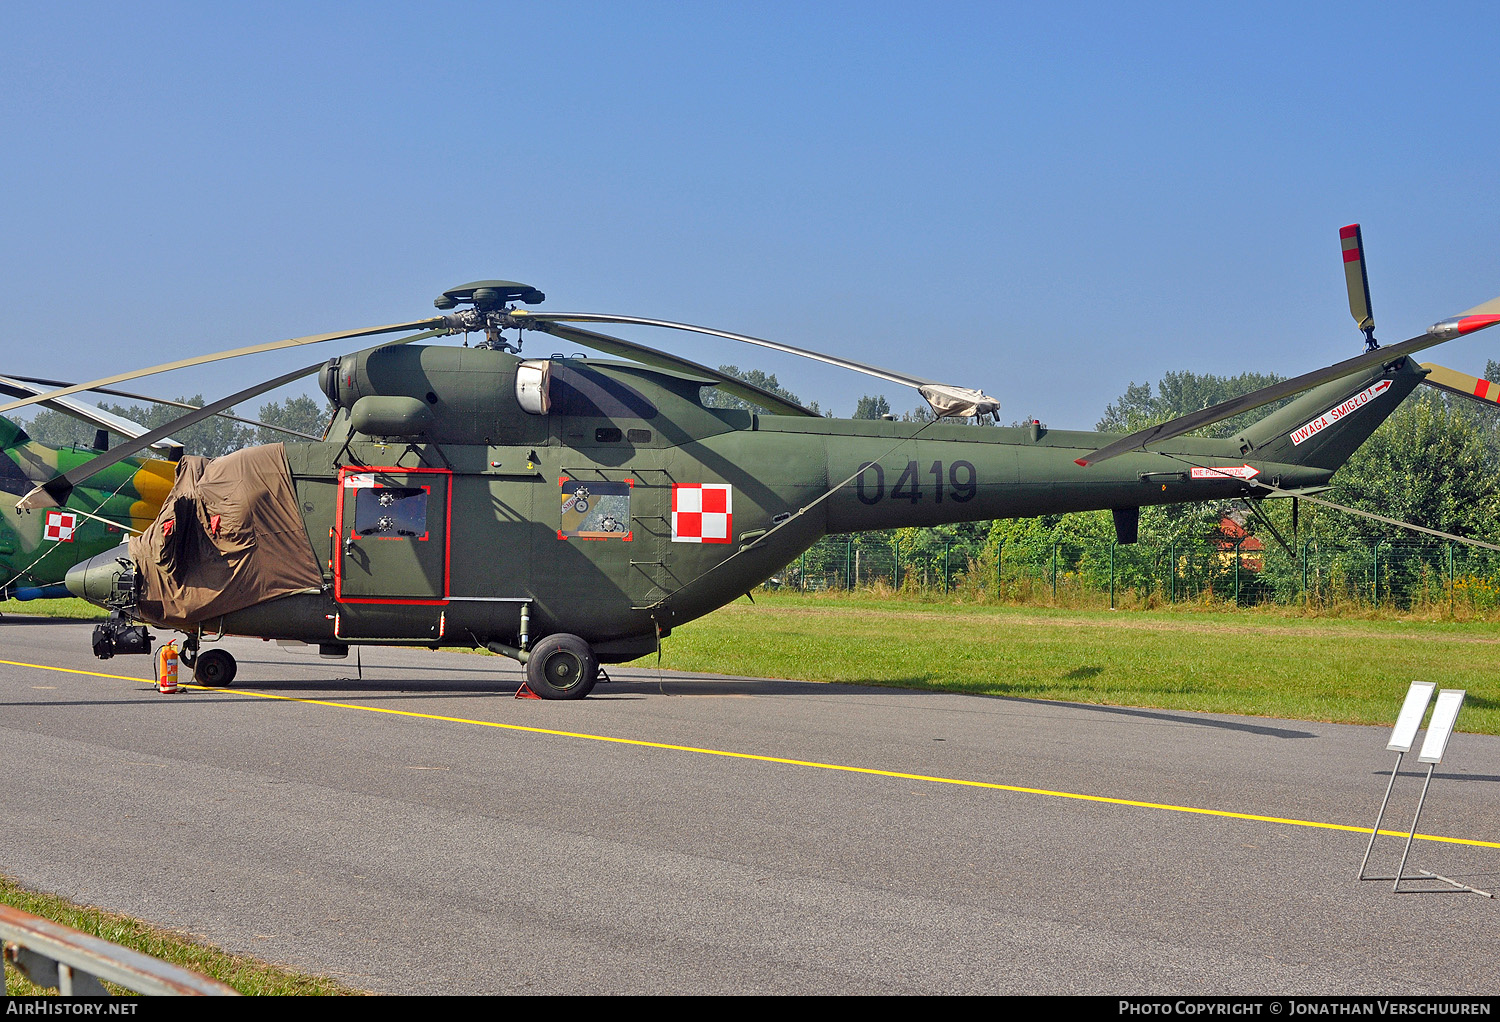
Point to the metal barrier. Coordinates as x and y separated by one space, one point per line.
52 955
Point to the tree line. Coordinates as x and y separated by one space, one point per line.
1435 462
211 438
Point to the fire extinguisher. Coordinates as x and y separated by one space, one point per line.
166 668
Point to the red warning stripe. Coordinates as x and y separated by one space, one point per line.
1351 255
1469 324
1349 231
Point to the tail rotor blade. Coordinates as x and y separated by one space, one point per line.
1358 280
1474 388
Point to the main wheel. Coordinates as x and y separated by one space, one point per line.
215 668
562 666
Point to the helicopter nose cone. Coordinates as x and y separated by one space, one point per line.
94 579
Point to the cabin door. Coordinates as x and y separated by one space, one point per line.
393 535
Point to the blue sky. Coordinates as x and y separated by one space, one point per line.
1045 203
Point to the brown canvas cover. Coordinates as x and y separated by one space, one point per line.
229 536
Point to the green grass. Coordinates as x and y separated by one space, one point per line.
1271 663
245 974
1351 665
70 607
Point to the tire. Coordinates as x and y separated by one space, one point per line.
216 668
562 666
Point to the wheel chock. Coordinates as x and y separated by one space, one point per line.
524 692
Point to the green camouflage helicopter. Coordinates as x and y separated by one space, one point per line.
37 548
570 511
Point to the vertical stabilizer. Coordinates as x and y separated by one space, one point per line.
1323 427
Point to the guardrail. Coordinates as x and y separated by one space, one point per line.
52 955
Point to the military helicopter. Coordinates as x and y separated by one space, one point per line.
568 511
36 550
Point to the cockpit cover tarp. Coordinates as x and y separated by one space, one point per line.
229 536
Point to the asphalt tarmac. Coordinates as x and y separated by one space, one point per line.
421 831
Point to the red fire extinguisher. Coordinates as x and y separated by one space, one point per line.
166 668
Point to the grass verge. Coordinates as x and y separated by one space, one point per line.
1271 662
71 607
245 974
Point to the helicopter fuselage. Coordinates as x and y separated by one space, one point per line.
465 497
628 506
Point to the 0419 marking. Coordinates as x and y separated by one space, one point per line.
916 485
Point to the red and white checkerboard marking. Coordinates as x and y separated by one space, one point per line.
702 513
60 526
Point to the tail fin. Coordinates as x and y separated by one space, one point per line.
1323 427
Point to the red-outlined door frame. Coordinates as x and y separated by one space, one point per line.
347 471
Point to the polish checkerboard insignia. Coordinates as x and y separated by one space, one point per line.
702 513
60 526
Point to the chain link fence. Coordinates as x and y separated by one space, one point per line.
1398 574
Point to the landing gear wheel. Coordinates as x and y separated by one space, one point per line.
562 666
215 668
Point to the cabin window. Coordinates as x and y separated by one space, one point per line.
638 436
608 435
391 512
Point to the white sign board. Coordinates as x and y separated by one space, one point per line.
1444 715
1410 718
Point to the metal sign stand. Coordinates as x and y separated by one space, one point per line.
1444 716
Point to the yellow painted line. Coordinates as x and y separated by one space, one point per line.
69 670
813 764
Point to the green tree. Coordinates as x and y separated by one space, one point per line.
210 438
58 429
1431 463
1180 393
303 414
872 406
715 398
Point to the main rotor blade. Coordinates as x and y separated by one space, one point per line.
1477 318
662 360
142 397
54 492
253 349
843 363
81 410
